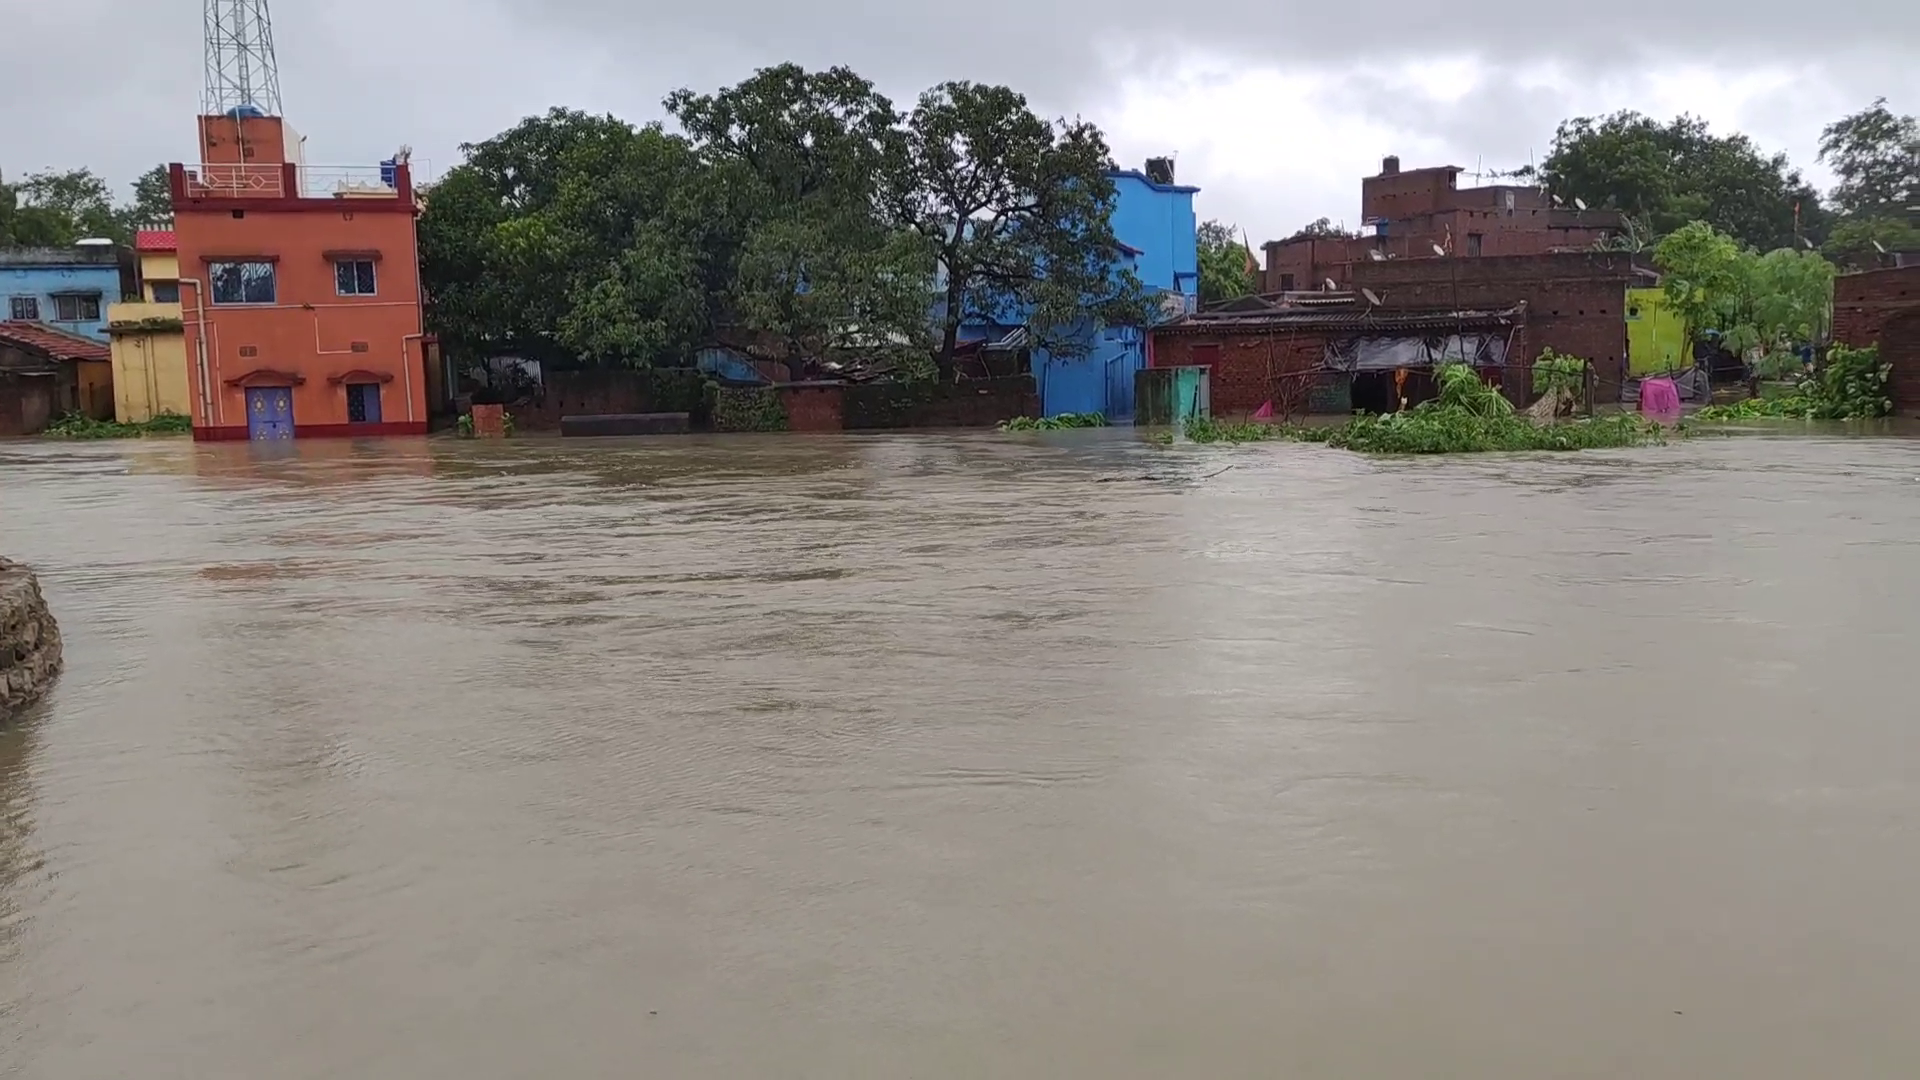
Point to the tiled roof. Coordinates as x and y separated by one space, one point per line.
155 240
52 343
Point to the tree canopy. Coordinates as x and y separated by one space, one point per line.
820 269
1015 209
1669 174
1875 153
797 211
53 208
1756 302
1227 270
578 238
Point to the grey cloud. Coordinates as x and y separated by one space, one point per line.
360 77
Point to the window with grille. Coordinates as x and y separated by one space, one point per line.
24 307
241 282
363 403
74 308
353 277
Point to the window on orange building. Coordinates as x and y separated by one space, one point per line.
241 282
353 277
363 403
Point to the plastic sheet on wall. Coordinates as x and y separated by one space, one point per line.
1390 353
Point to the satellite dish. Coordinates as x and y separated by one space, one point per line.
1879 247
1580 204
1438 250
1372 300
1331 287
1374 254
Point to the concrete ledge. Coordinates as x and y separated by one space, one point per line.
666 423
29 639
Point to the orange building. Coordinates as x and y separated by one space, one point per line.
299 289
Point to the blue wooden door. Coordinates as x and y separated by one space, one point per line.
269 413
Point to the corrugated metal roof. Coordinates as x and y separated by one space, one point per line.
50 342
1352 319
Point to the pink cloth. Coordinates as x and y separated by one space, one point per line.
1659 397
1264 412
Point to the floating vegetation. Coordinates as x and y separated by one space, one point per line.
1851 385
1062 422
1468 417
79 426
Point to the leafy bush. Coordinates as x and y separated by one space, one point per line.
1851 385
1462 388
1062 422
1468 417
1556 373
749 408
78 426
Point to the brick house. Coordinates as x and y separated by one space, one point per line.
1882 307
1576 301
1335 353
1410 212
300 289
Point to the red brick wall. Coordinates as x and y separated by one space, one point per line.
812 408
1248 369
1575 302
1882 307
1405 193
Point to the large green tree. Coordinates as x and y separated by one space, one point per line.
821 271
1758 303
57 208
1875 153
1670 174
1226 266
1862 243
573 238
1016 210
152 200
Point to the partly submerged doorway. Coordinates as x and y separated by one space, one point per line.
269 413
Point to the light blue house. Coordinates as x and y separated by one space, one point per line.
1153 219
67 288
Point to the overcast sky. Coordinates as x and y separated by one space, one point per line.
1275 108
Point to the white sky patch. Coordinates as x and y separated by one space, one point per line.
1275 148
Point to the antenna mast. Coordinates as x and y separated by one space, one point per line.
241 72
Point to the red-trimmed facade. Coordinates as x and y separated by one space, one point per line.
343 343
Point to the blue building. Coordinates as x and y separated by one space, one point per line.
1153 219
66 288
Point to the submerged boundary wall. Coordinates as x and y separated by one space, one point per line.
29 639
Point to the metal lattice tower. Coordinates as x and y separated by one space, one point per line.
241 72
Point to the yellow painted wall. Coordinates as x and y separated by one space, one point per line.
157 266
1657 339
149 365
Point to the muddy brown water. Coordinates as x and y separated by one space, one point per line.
965 756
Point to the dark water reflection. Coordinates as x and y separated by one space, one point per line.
964 756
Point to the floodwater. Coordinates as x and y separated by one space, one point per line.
965 756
